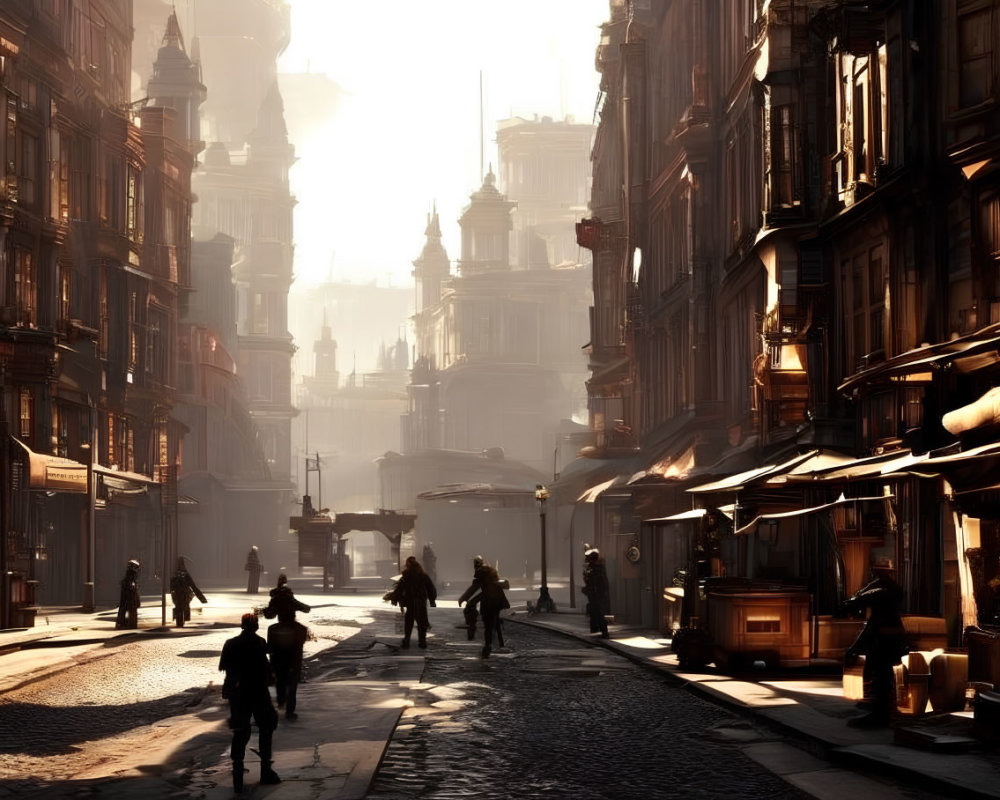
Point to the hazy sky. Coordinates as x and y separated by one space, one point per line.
406 132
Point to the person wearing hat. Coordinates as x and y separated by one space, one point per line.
129 601
882 641
597 591
254 568
492 600
248 673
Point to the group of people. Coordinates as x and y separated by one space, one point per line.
415 591
250 663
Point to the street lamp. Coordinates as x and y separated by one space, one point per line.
89 548
544 603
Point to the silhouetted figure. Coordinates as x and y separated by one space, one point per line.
413 592
597 591
129 602
492 600
248 673
285 641
283 601
253 568
882 641
429 561
182 590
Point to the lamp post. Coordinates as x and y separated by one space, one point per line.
89 546
544 603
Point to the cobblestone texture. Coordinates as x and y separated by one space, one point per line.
556 720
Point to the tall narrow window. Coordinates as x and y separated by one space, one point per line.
104 322
26 416
28 173
133 332
65 292
64 172
24 286
975 53
783 157
260 325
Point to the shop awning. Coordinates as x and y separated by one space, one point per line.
967 353
734 483
58 474
591 495
694 513
54 473
801 512
856 469
981 412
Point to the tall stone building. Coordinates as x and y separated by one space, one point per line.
794 317
93 243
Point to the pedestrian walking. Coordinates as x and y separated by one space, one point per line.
597 591
285 642
413 592
492 600
254 568
882 641
428 559
248 673
129 601
182 590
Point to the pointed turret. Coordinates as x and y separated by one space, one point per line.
325 358
433 266
176 83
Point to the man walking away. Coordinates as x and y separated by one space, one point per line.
413 592
597 591
285 641
244 660
182 590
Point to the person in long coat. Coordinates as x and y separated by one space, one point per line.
413 592
285 642
182 590
129 600
597 591
248 673
882 641
253 568
492 600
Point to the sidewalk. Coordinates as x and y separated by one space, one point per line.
333 751
808 706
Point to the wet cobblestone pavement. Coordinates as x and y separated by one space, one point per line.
552 718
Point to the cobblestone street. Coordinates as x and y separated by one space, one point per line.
546 716
549 717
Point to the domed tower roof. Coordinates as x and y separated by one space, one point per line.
486 225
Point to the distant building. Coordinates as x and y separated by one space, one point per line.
499 359
544 168
237 349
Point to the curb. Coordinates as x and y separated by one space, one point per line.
837 755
